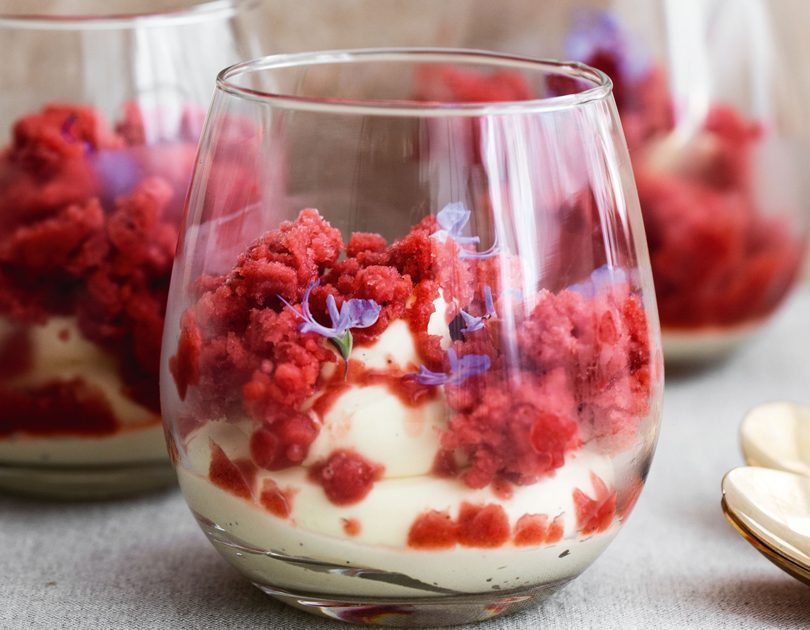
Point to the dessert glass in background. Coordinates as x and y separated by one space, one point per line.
100 118
411 369
709 110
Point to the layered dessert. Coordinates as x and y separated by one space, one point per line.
89 217
724 231
409 418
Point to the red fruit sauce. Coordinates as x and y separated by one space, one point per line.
346 477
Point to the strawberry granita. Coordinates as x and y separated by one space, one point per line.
321 379
89 215
723 251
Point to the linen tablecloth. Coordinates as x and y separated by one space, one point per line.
143 563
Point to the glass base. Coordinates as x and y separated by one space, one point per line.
85 482
443 608
416 613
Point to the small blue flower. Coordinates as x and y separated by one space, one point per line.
596 31
472 323
353 313
496 249
453 218
600 279
67 132
460 370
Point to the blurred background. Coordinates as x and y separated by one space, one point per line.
519 26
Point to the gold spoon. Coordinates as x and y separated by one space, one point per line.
771 510
777 435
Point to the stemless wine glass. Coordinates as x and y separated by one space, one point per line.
100 116
708 103
413 376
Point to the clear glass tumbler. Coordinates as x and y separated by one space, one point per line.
708 102
411 369
100 117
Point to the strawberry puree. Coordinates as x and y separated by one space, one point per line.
256 348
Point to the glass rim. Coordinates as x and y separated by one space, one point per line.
197 12
600 88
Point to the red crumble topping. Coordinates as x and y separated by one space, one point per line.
275 500
432 531
88 227
502 489
284 442
66 408
352 527
718 256
595 514
237 477
346 477
482 526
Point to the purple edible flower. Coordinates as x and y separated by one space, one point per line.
460 370
466 254
595 32
68 135
472 323
354 313
453 218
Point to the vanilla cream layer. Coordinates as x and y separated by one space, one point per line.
705 344
59 352
374 422
462 570
124 447
385 515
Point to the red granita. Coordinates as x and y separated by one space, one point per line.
352 527
433 531
235 477
482 526
284 442
275 500
70 407
88 228
346 476
719 256
595 514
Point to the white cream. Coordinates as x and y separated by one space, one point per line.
140 445
378 426
705 344
315 531
59 352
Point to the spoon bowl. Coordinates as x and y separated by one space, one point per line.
771 509
777 435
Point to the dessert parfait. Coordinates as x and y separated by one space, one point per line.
88 227
399 420
719 190
417 380
97 151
